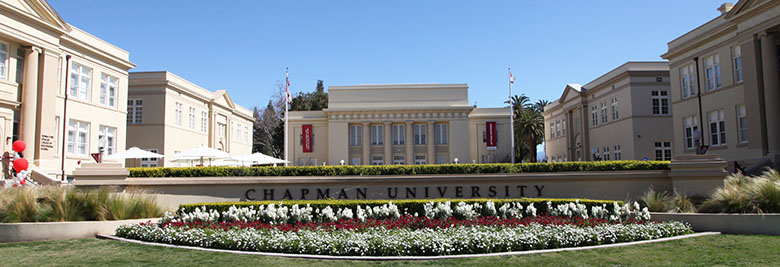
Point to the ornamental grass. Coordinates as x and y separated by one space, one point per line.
64 203
740 194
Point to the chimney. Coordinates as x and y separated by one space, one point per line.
725 8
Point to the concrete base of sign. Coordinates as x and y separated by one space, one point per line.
99 172
406 258
764 224
39 231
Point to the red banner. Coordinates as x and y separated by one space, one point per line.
490 129
307 139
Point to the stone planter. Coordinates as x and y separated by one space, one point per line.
765 224
19 232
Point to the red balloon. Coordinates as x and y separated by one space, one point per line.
19 146
20 164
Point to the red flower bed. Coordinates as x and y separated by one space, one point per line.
407 221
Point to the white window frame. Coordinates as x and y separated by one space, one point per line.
594 116
108 134
80 82
77 146
660 102
178 113
108 90
563 126
615 115
204 118
663 151
4 61
736 60
377 160
420 132
134 111
603 112
440 133
606 153
690 125
192 118
712 80
246 134
399 159
688 81
420 159
557 128
356 135
618 154
377 135
742 133
552 130
717 131
399 134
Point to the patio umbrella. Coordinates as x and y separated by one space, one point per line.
260 159
200 153
133 153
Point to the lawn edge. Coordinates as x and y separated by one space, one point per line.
393 258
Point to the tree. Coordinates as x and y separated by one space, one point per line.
528 125
266 125
317 100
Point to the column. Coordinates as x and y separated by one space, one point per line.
366 143
585 128
409 143
431 142
771 90
388 143
30 100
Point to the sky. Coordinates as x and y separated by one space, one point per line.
245 46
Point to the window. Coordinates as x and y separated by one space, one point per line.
663 150
80 81
177 114
736 54
606 153
398 135
355 161
3 61
377 135
615 115
440 133
107 139
221 127
441 160
712 72
660 102
742 124
399 160
356 136
78 138
563 126
108 87
134 111
618 155
238 133
717 125
552 132
594 116
557 128
149 162
204 118
419 134
246 134
192 118
595 153
688 81
420 160
603 112
377 160
690 126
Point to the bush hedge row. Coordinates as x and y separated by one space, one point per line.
409 205
399 169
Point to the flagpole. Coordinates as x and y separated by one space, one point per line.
511 118
286 110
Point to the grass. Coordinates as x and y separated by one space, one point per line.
728 250
739 194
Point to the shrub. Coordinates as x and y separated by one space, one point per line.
739 194
399 169
410 206
681 204
655 201
57 204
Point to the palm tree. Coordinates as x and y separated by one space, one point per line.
529 124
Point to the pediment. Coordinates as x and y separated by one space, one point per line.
222 98
742 7
40 10
570 92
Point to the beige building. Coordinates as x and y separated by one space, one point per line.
44 61
725 82
399 124
167 114
623 115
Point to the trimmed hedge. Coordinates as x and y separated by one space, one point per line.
409 205
576 166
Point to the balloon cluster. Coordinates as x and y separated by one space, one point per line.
20 164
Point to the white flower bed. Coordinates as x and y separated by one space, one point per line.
402 242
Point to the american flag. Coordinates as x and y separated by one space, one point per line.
511 77
287 86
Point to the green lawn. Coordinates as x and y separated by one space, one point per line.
702 251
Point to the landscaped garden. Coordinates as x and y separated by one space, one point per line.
435 227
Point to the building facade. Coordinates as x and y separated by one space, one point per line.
167 114
623 115
725 86
43 62
398 124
